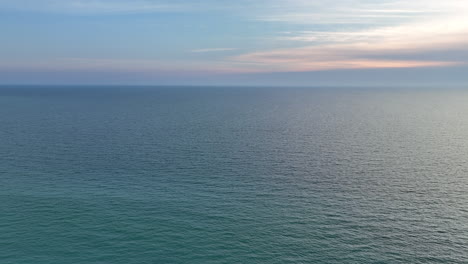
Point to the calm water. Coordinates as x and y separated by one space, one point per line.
233 175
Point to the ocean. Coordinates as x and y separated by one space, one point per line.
138 175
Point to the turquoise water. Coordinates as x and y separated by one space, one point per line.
233 175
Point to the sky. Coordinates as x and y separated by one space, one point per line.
242 42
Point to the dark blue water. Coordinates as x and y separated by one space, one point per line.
233 175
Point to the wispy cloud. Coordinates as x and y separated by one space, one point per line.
378 12
212 50
399 29
328 58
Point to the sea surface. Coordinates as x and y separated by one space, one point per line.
136 175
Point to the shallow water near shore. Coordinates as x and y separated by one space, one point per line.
233 175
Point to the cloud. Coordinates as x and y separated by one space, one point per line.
212 50
422 28
328 58
349 12
358 55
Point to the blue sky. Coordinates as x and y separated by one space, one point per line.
244 42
